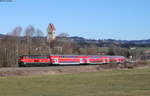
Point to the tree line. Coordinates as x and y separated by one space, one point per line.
32 41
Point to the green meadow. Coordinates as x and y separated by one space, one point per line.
133 82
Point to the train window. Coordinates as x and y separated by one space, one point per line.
68 56
26 57
36 57
42 57
94 56
21 56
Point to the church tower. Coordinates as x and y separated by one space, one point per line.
51 32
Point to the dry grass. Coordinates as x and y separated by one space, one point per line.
133 82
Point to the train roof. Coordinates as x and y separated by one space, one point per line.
73 55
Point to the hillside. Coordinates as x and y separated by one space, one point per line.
2 35
106 42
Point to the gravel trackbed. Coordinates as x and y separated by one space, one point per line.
27 71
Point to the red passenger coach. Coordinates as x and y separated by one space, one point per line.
93 59
78 59
65 59
117 59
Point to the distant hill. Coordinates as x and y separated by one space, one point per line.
2 35
107 42
104 43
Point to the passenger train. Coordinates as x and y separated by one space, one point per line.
38 60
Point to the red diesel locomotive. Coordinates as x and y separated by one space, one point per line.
33 60
36 60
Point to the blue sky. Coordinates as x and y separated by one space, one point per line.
94 19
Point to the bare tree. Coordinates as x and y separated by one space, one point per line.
63 35
92 49
29 33
39 33
16 32
9 48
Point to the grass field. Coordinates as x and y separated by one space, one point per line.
144 48
135 82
